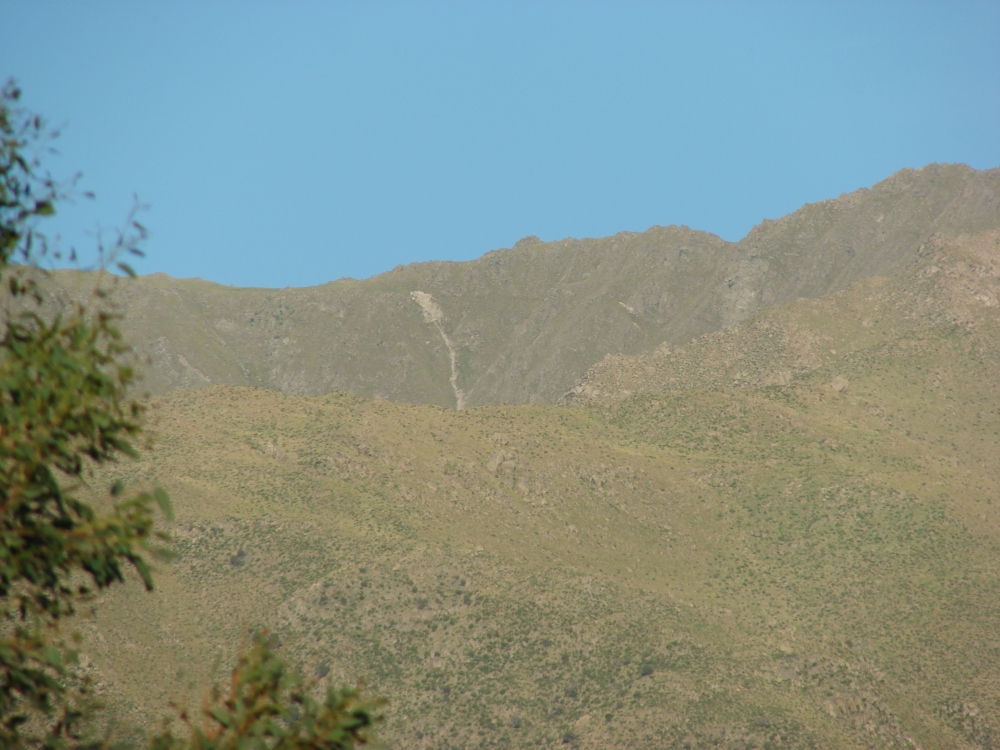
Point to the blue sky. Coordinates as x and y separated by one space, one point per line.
292 143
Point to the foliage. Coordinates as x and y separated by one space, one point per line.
63 408
269 706
66 408
19 179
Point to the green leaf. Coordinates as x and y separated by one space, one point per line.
52 657
222 716
163 500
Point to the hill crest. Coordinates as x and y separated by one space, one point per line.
524 324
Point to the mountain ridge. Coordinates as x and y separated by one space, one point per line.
949 276
524 324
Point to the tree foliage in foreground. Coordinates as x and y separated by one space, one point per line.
268 705
65 408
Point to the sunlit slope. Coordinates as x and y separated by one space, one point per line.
523 325
788 566
951 282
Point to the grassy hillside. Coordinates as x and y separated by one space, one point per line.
523 325
807 561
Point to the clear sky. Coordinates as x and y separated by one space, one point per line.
292 143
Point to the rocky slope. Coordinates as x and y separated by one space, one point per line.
947 283
524 324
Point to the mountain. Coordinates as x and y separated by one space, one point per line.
523 325
945 284
778 535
